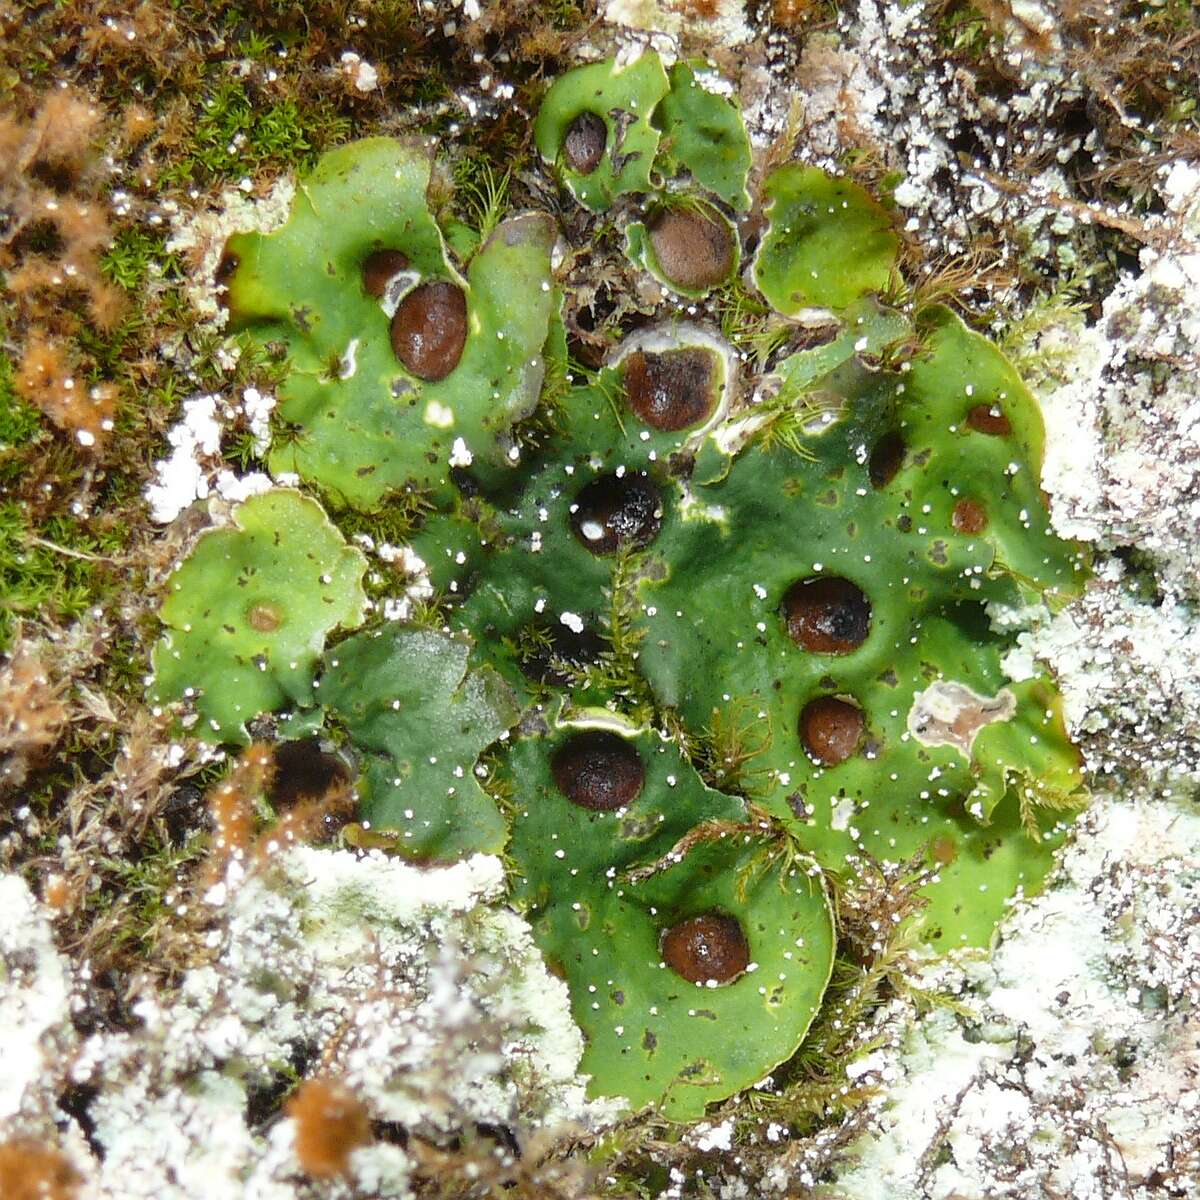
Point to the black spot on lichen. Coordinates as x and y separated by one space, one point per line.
617 511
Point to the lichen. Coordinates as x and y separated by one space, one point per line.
882 495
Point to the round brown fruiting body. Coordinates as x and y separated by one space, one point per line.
583 146
831 729
673 390
429 329
943 849
303 771
708 948
969 516
989 419
379 269
615 511
264 617
827 614
694 250
886 459
598 770
226 268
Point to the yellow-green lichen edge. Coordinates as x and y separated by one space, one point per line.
248 611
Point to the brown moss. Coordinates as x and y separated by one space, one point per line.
698 10
57 229
32 1171
231 806
793 12
307 809
32 714
45 379
331 1123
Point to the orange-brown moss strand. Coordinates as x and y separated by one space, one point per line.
331 1123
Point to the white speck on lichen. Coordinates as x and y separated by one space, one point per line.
438 415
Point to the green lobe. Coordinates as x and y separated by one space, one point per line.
624 98
827 242
421 720
704 133
248 612
354 420
600 889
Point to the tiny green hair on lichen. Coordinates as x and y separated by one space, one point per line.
714 616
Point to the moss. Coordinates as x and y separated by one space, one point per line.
54 571
237 134
20 422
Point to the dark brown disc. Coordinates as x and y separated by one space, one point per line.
694 250
673 390
225 269
583 147
886 459
380 268
303 771
709 947
429 329
615 511
565 649
831 729
969 516
598 770
989 419
827 614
